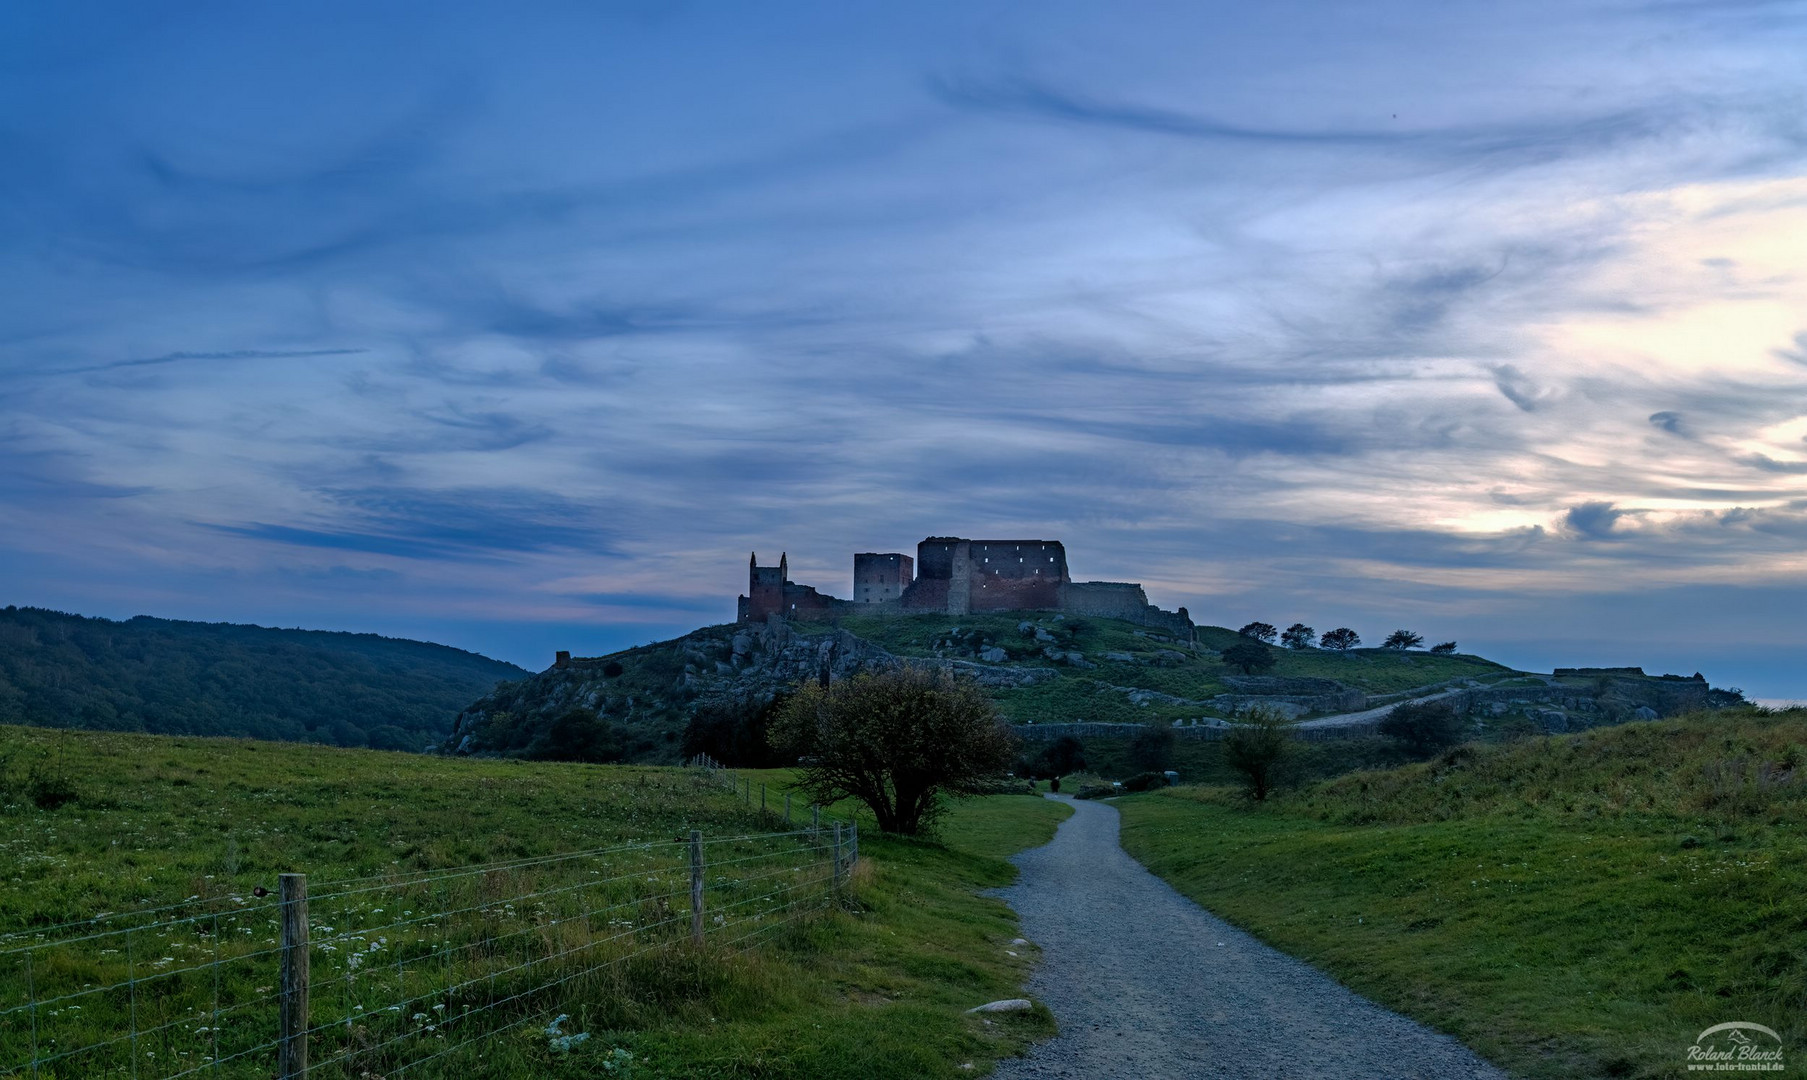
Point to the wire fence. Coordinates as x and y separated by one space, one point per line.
394 975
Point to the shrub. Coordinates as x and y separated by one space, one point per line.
1257 748
1151 747
1096 791
578 735
1260 631
50 790
1424 727
1002 785
1145 781
612 669
1444 649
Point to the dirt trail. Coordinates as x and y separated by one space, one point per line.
1145 983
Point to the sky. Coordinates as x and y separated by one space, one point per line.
516 327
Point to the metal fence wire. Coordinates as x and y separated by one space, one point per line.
381 977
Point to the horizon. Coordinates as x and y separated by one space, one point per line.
507 331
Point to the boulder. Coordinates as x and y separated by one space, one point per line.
1006 1005
994 655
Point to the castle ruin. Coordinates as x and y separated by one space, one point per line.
955 576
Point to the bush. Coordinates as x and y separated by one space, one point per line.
1002 785
1446 648
1151 747
1257 748
1146 781
578 735
612 669
1260 631
49 790
1424 728
1096 791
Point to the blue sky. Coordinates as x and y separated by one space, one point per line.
516 327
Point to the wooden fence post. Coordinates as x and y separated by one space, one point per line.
291 1047
853 856
696 886
787 808
837 856
815 819
762 799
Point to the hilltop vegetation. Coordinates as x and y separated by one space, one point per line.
1576 905
188 678
1035 667
876 988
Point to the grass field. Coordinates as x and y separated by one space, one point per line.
1571 906
875 986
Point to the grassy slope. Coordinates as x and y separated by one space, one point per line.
876 991
1084 694
1570 906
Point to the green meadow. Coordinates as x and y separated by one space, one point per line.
1568 906
794 978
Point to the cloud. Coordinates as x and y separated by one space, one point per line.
1798 354
1670 422
1592 521
1521 142
1520 389
183 357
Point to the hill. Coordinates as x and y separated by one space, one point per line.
190 678
1038 668
1569 905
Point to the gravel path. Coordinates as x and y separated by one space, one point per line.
1145 983
1367 716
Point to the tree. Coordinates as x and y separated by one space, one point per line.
1402 639
1257 748
1424 727
1298 636
577 735
733 731
1064 755
1260 631
1444 649
1249 657
1151 748
1341 638
895 740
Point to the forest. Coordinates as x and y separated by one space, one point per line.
164 676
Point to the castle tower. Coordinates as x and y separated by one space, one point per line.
881 576
765 588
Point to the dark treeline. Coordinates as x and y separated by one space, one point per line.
187 678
